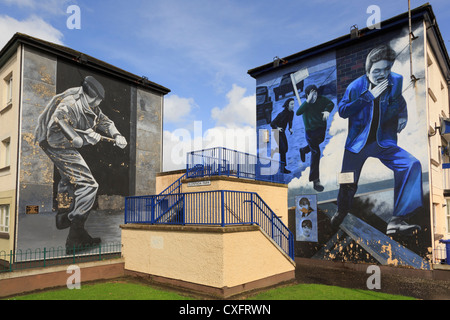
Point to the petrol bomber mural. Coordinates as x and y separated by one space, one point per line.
70 121
356 141
76 156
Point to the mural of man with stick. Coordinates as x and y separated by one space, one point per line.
69 122
377 113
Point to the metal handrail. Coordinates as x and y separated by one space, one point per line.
223 161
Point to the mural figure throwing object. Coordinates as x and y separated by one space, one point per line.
316 111
280 123
69 122
376 113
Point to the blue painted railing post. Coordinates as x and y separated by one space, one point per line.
251 208
271 221
292 246
125 213
152 211
223 208
183 214
220 160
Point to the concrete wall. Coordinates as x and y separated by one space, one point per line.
148 141
27 281
206 256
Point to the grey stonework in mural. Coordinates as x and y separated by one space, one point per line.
148 141
36 170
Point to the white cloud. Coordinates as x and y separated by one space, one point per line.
181 141
240 110
177 108
33 26
234 128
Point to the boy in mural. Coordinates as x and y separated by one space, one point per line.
68 123
315 110
280 123
377 112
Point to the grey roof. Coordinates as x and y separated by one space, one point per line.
79 57
424 11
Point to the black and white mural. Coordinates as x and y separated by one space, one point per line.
79 153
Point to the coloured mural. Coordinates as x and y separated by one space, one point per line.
350 126
75 169
306 218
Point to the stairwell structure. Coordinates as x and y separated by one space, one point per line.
211 229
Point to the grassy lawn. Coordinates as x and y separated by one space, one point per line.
323 292
106 291
123 290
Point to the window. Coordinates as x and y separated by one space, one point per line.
448 216
7 153
4 218
9 89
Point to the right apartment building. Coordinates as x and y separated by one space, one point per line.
362 126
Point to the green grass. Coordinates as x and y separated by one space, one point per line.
106 291
323 292
125 290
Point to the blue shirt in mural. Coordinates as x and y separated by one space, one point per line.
357 105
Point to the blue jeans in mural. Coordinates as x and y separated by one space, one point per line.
408 193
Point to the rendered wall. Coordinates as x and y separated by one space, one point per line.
438 107
9 122
363 235
209 256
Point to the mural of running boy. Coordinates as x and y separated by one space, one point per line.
69 122
377 113
316 111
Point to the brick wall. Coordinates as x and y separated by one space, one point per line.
351 61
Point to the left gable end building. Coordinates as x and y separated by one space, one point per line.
37 184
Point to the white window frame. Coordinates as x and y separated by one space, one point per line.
447 216
9 89
7 154
4 218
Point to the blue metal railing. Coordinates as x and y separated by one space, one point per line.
227 162
220 208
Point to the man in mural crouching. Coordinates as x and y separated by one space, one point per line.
69 122
377 112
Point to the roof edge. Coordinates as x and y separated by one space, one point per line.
345 40
81 58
